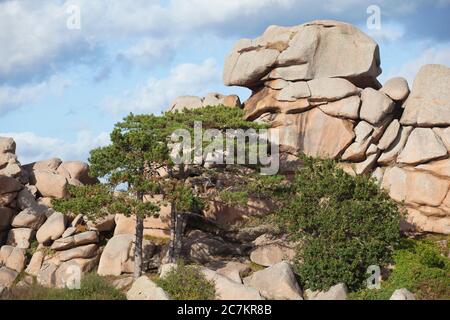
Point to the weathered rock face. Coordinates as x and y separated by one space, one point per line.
277 282
227 289
64 250
418 156
145 289
326 102
396 88
269 251
115 255
233 270
428 103
203 247
211 99
75 170
227 214
7 277
50 184
402 294
20 237
337 292
51 177
318 49
53 228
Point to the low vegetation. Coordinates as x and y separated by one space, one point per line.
346 224
420 266
93 287
187 283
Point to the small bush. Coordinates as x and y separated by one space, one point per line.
187 283
93 287
346 224
237 198
420 267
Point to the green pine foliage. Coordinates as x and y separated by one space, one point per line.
95 201
345 225
212 117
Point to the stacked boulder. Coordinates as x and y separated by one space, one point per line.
315 84
35 239
211 99
236 281
416 167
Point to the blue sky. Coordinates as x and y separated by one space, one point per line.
62 90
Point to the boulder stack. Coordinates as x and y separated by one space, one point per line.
316 85
211 99
33 237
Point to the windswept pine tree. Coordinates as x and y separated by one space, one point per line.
137 166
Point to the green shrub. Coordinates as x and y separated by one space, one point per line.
187 283
237 198
92 287
346 224
419 267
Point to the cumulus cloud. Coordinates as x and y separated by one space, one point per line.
14 97
150 52
158 93
32 147
36 42
39 42
437 54
388 32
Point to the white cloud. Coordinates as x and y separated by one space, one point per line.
34 37
37 38
32 147
13 97
437 54
35 42
157 94
198 13
149 52
389 32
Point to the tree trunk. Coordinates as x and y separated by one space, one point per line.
180 225
138 247
173 228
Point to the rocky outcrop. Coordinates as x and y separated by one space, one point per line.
336 292
402 294
326 102
318 49
211 99
428 103
115 256
227 289
60 246
276 283
269 251
145 289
